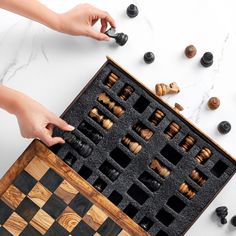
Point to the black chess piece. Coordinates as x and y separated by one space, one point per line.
222 212
233 221
152 184
132 11
120 38
113 174
207 59
224 127
98 186
149 57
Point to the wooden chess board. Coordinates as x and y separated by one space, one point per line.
41 195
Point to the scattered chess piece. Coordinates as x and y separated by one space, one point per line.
160 169
172 130
157 117
111 80
149 57
187 143
133 146
152 184
207 59
100 118
105 99
233 221
190 51
178 107
224 127
132 11
120 38
126 92
163 89
213 103
222 212
197 177
143 131
203 155
185 190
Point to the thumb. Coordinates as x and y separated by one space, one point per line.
98 35
61 124
46 138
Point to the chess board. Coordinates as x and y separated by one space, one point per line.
141 154
40 195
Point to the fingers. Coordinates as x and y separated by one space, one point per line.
104 26
97 35
60 124
49 140
103 15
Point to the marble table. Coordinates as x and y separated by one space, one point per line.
52 68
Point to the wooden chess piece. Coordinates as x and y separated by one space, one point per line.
203 155
178 107
172 130
160 169
111 80
187 143
197 177
143 131
185 190
100 118
117 110
163 89
126 92
157 117
133 146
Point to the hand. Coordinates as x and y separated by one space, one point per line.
80 19
35 121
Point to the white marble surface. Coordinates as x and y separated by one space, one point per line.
52 68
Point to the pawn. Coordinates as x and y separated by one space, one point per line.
132 11
111 80
203 155
126 92
100 118
133 146
196 176
149 57
233 221
187 143
163 89
120 38
157 117
143 131
222 212
160 169
185 190
152 184
172 130
207 59
112 174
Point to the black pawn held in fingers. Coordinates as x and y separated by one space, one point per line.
222 212
120 38
207 59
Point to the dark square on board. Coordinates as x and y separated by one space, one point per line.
5 212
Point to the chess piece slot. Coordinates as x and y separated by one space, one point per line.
163 89
222 212
159 168
143 131
110 104
172 130
187 143
198 177
186 190
100 118
156 118
203 155
107 169
146 223
120 38
149 181
111 80
126 91
131 144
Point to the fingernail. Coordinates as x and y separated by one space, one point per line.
70 127
107 38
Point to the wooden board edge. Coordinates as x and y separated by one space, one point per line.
89 191
17 167
177 113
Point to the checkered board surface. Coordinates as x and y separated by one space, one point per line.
41 202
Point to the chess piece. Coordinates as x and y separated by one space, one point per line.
172 130
112 174
152 184
160 169
149 57
133 146
126 92
207 59
90 132
132 11
187 143
157 117
197 177
222 212
98 186
105 99
213 103
111 80
203 155
146 224
100 118
120 38
185 190
163 89
190 51
224 127
233 221
178 107
143 131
